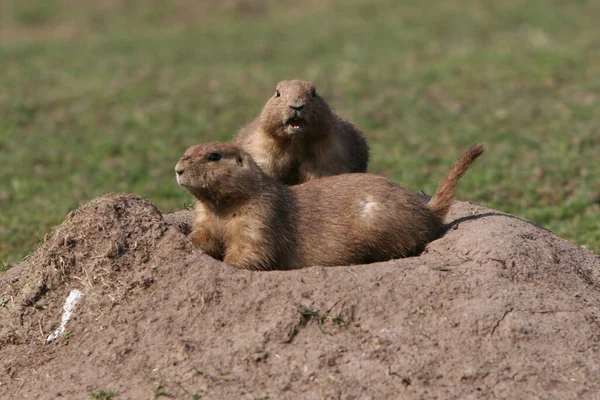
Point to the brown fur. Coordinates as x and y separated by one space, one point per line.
322 144
444 195
252 221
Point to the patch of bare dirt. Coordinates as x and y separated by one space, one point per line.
498 308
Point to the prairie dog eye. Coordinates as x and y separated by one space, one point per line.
277 93
214 157
314 92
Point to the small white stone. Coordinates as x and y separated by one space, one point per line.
68 308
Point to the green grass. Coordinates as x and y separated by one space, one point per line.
105 98
103 394
4 266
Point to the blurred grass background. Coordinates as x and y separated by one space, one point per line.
100 97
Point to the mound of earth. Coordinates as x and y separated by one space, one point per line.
497 308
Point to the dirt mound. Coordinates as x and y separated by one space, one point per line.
497 308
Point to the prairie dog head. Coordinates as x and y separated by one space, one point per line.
217 172
295 111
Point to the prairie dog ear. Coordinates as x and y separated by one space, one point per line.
243 159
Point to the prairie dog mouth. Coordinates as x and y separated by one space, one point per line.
295 124
183 181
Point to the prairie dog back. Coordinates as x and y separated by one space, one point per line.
359 219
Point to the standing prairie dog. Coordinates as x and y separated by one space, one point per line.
252 221
297 137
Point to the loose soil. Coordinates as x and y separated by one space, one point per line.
498 308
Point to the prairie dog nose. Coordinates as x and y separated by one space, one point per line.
179 167
297 106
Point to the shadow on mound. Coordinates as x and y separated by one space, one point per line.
497 308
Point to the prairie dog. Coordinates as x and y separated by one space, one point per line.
252 221
297 137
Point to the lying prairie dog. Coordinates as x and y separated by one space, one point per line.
252 221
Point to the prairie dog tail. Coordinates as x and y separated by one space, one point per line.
442 200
